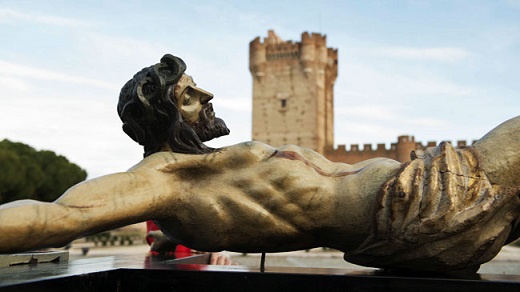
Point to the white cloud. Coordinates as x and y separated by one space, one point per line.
12 69
7 15
118 58
13 84
370 84
121 48
441 54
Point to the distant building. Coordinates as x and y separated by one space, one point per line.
293 99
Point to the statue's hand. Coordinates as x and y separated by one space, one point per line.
220 258
161 243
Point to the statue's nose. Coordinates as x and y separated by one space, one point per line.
205 96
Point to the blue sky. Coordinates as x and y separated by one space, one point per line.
433 69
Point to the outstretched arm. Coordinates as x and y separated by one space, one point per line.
100 204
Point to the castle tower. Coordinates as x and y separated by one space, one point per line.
293 91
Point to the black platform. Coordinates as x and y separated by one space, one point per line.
139 273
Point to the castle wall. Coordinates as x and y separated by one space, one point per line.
399 151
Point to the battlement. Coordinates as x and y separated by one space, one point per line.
314 38
312 50
332 54
287 50
399 151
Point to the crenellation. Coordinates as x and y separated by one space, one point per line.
315 38
255 42
461 143
399 150
282 53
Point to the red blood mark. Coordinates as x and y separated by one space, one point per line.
291 155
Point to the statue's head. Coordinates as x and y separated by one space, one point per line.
163 109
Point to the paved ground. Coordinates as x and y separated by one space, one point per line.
507 261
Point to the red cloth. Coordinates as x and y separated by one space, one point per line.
180 250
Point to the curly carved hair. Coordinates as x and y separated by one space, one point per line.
147 107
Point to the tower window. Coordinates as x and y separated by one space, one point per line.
284 103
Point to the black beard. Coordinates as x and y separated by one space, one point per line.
208 126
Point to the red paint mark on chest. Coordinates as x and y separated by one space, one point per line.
291 155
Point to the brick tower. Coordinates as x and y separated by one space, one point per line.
293 91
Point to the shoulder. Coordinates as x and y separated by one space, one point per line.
251 149
236 155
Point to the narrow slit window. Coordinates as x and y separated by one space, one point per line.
284 103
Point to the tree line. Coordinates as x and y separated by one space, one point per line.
26 173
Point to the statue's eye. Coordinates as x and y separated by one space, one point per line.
187 100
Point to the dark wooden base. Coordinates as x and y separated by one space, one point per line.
139 273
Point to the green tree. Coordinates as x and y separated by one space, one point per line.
26 173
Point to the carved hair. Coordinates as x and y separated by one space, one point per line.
147 107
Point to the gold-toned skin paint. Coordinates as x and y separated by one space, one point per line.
190 98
